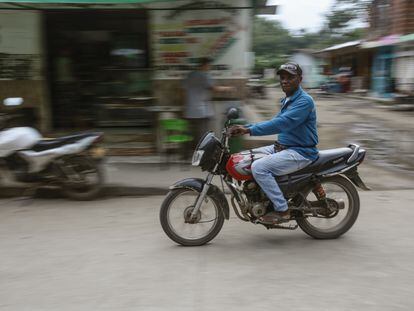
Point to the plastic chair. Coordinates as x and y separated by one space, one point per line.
174 136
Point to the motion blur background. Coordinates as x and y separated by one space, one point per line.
117 66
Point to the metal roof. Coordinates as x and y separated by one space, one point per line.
342 46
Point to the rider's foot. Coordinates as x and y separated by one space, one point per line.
275 217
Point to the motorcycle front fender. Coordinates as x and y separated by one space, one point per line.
197 184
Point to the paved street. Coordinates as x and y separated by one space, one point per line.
113 255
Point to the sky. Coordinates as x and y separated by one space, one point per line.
297 14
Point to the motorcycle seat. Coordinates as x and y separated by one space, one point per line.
326 159
47 144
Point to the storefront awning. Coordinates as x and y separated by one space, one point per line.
388 41
260 6
384 41
407 38
346 45
84 1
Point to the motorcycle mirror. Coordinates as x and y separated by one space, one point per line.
13 101
233 113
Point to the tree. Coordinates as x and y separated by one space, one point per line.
270 43
344 13
273 44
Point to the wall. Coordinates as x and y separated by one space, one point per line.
404 69
403 17
389 17
21 61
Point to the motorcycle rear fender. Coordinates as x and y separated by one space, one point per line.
354 177
197 185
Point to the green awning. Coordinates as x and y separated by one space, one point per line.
260 6
84 1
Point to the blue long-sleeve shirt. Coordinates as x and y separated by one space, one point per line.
295 124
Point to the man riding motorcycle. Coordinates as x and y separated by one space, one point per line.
296 145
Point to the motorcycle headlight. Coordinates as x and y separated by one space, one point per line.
197 156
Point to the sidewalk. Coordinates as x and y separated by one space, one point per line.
127 176
136 176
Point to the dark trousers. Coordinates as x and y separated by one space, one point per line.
198 127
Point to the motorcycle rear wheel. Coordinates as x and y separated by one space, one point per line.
314 227
173 219
91 179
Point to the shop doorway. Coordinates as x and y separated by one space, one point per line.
98 68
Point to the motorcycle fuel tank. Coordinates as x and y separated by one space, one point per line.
239 166
17 138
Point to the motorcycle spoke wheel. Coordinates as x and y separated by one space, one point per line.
178 225
341 214
86 181
178 216
86 177
324 219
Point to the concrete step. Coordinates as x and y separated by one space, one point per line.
130 151
119 139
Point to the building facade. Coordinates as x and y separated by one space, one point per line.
116 64
383 61
389 38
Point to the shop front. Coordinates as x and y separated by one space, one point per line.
99 69
404 65
382 71
349 65
119 64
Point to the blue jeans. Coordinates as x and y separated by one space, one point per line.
276 164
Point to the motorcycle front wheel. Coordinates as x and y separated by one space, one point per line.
175 218
339 216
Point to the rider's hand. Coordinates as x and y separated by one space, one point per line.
238 130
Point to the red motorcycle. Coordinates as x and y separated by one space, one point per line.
322 197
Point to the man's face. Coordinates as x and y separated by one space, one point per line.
289 82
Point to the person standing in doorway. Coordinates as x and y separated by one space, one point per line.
198 87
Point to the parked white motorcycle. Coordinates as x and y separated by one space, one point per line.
71 162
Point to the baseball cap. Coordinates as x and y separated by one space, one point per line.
291 68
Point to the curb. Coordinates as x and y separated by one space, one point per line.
116 191
386 101
108 191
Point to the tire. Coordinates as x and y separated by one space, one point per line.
169 230
81 192
349 219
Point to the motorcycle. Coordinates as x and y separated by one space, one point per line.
71 162
322 197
